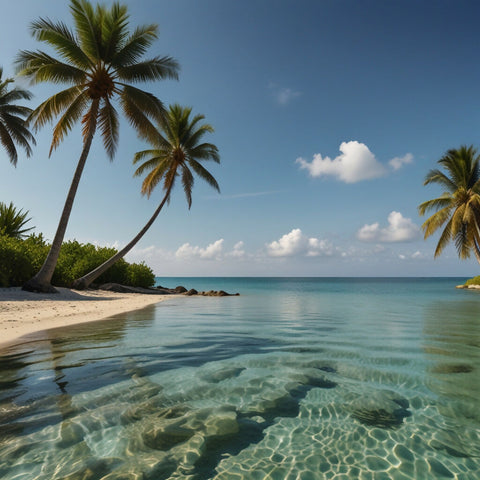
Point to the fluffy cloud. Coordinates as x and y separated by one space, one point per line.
355 163
283 95
238 250
296 243
210 252
399 229
398 162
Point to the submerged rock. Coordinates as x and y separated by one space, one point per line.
384 409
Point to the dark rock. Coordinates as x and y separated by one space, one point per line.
192 291
180 289
116 287
384 408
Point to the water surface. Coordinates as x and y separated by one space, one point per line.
294 379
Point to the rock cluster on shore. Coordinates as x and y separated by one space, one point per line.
159 290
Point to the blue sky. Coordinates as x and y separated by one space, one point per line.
327 114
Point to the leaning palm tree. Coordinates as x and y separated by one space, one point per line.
458 208
12 120
99 59
13 221
177 152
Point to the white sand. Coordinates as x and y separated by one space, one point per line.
23 313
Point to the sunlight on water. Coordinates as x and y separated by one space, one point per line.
307 380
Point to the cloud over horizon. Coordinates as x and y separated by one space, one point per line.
296 243
355 164
210 252
399 229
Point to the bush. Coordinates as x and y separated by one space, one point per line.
473 281
20 260
140 275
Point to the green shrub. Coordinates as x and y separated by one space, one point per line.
140 275
21 259
473 281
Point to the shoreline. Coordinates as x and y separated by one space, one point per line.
25 314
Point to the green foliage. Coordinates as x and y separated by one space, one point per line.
473 281
457 210
12 221
13 127
140 275
20 259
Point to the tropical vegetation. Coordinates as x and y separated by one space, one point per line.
457 210
13 221
100 60
177 153
21 258
13 129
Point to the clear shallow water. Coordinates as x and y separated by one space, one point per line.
294 379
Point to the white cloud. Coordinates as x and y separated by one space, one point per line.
210 252
398 162
399 229
238 250
296 243
283 95
354 164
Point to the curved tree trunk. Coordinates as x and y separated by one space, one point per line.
86 280
41 281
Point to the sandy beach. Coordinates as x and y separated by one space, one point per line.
23 313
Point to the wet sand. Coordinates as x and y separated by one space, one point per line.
24 313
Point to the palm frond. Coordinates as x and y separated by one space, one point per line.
88 26
41 67
158 68
135 46
433 223
206 151
70 117
150 164
436 176
13 220
108 123
8 144
204 174
437 203
14 95
18 131
187 182
62 39
53 106
114 30
139 106
444 239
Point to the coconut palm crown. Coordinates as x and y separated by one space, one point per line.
12 120
458 208
99 60
177 153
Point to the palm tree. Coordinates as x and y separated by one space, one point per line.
458 208
12 122
177 152
12 221
99 59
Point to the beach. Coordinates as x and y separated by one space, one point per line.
25 313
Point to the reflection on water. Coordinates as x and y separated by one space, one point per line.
312 381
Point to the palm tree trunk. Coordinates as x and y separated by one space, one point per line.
86 280
40 283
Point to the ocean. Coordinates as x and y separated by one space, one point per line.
296 378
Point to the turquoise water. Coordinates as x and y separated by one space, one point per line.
294 379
